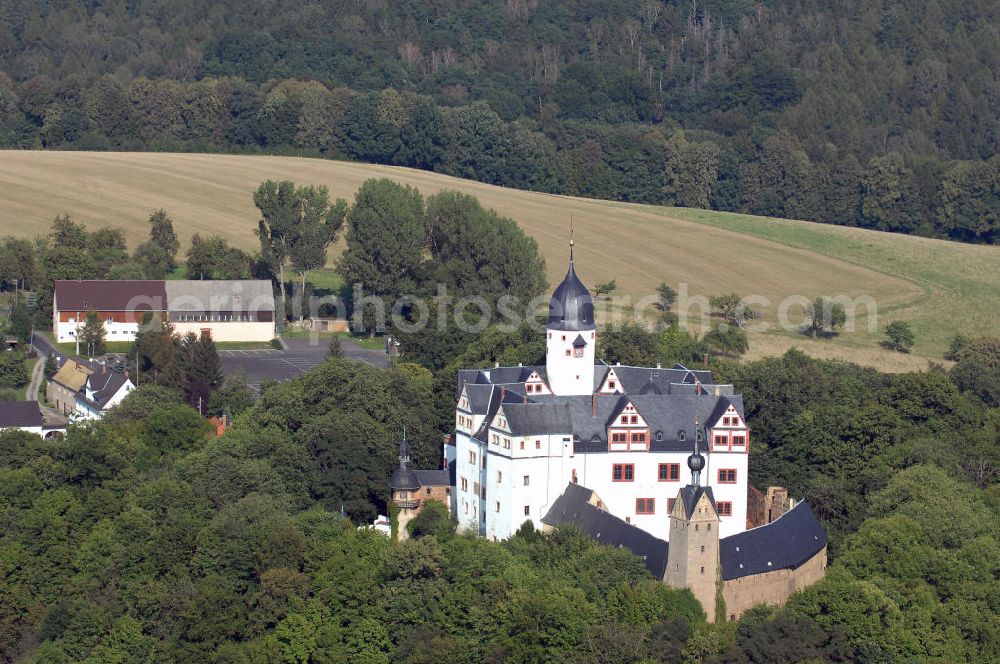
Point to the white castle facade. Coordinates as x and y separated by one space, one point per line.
523 433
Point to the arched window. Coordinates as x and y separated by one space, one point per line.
682 435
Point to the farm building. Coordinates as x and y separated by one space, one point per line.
227 310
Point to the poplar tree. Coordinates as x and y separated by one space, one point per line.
92 335
297 225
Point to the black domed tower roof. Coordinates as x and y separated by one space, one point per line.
404 479
571 307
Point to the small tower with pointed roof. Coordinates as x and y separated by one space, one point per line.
570 336
693 555
405 488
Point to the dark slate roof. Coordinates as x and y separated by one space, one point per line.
105 383
785 543
573 507
633 379
110 295
690 495
579 342
404 479
20 414
530 419
504 393
438 477
667 414
479 397
721 407
496 376
571 306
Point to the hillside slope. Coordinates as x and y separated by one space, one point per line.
943 288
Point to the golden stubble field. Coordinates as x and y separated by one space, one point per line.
638 246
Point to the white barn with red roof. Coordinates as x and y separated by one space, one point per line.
228 310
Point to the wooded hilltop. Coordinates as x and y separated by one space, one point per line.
882 115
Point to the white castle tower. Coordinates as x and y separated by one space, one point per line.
570 337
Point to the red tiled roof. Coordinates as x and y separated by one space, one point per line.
101 295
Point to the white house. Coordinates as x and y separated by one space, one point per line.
23 415
522 433
102 391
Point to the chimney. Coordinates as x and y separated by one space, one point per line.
659 366
704 359
496 365
593 405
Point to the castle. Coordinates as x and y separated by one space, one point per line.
637 457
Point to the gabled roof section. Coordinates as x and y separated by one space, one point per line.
621 402
579 342
633 379
437 477
497 376
105 385
691 495
535 419
72 374
600 374
720 409
111 295
243 295
575 507
20 414
785 543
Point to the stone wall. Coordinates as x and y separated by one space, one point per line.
771 587
61 397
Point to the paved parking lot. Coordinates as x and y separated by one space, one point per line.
301 356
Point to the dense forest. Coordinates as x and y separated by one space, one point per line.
883 115
142 538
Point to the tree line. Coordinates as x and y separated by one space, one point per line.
718 104
71 251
